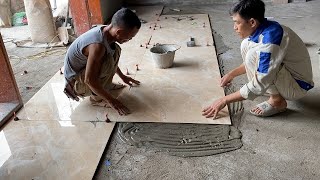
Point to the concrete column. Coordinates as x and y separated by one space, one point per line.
40 21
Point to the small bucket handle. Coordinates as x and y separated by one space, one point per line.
176 45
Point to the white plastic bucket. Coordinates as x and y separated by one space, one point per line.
163 55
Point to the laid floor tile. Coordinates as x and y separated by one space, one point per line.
52 149
179 93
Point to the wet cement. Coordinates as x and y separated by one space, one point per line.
184 140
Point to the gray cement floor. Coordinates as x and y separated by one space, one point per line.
280 147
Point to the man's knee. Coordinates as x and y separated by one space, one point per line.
293 94
80 87
287 86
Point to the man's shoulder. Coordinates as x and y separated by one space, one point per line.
273 33
87 38
95 48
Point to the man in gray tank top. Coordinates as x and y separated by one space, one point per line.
92 60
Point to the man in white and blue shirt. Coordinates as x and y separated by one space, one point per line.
275 59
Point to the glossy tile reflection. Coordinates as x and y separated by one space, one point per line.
52 150
50 103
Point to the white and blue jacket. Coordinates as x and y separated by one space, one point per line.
277 46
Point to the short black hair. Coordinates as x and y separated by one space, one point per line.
249 9
125 18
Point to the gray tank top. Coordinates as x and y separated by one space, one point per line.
75 61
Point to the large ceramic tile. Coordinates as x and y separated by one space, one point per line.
130 57
159 99
179 32
177 94
52 149
50 103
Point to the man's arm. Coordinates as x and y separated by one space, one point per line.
94 62
126 79
238 71
119 73
226 79
215 107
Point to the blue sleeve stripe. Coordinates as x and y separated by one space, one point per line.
264 62
273 34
